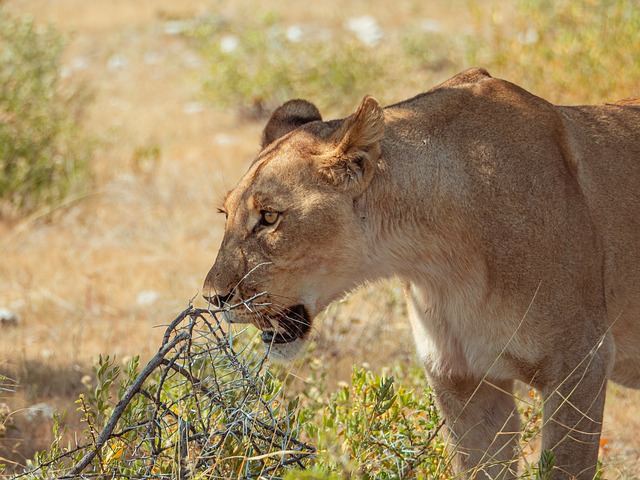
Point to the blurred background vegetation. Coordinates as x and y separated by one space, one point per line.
565 51
123 124
44 152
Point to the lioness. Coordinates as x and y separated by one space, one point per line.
513 223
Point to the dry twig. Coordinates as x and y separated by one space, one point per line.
200 406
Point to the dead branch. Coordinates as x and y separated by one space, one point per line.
122 404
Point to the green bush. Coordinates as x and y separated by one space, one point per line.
374 428
204 407
43 154
378 427
254 66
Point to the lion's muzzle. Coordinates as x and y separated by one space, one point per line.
285 326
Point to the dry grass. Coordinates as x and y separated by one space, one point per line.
77 278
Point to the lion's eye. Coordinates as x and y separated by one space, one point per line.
269 218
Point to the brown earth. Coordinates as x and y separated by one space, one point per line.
108 269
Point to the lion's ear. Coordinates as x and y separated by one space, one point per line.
287 118
351 163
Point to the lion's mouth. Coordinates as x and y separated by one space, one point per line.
293 323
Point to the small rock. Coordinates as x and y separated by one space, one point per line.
176 27
147 297
294 33
117 62
529 37
152 58
229 44
76 65
192 108
430 25
191 60
8 317
80 63
366 29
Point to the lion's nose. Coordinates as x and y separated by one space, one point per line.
218 301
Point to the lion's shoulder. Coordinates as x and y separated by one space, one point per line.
467 77
472 90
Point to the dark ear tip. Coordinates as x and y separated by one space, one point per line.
300 108
288 117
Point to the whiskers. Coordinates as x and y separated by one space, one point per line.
280 322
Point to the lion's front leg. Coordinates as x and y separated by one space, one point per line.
480 414
482 425
573 418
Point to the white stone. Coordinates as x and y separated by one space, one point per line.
191 108
366 29
294 33
117 62
8 317
147 297
229 44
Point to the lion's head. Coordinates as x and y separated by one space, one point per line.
295 229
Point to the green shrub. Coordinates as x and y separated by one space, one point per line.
43 154
378 427
254 66
204 407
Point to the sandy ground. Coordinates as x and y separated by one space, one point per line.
116 264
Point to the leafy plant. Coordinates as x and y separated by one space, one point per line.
375 428
545 465
206 409
43 153
200 408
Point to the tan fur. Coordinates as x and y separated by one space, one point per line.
514 224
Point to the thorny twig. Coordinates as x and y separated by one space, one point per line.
197 393
124 401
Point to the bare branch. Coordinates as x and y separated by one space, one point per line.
124 401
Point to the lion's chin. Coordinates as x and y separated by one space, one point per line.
286 352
